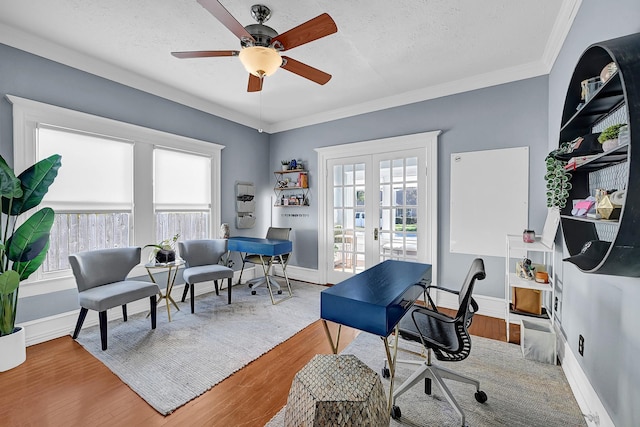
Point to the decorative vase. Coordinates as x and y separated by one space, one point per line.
610 144
224 231
164 256
285 168
13 349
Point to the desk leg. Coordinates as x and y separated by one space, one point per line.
391 359
284 271
334 348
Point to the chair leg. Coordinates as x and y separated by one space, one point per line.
124 312
215 284
193 299
81 317
153 311
184 294
241 271
229 289
102 316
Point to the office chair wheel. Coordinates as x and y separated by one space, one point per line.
250 285
385 372
481 396
395 412
253 292
279 291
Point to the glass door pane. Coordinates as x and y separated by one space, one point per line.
398 181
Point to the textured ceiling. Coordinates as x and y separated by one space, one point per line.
384 53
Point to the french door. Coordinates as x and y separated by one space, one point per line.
376 210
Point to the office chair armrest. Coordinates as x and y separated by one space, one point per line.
440 288
431 313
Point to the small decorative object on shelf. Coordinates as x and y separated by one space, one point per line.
529 236
224 231
285 164
164 252
589 87
293 179
608 71
609 137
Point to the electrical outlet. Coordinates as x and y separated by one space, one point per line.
581 345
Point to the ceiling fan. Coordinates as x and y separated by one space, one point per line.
261 45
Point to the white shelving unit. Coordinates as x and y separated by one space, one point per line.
517 249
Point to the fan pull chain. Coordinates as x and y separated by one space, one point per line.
260 95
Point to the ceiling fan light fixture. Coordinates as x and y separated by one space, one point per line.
260 61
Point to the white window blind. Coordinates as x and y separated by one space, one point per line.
96 172
181 180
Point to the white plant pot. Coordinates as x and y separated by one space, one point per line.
610 144
13 350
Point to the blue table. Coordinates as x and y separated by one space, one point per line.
267 250
374 301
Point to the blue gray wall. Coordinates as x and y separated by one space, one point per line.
603 309
33 77
504 116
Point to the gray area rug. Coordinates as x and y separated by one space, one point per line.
520 392
184 358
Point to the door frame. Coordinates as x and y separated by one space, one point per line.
427 141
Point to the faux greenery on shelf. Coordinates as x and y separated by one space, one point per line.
611 132
557 177
22 249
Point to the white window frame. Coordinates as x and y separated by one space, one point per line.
27 114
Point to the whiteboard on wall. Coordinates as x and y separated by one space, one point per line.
489 199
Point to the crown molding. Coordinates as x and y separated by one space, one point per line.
46 49
559 32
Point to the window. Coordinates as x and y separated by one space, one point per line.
182 194
92 198
119 185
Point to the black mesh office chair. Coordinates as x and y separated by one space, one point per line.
444 336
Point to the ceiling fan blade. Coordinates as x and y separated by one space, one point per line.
306 71
318 27
221 14
204 53
255 84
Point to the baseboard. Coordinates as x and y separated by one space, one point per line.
59 325
488 306
592 408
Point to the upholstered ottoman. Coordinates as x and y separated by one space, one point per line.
336 390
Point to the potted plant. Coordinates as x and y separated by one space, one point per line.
22 248
165 251
609 137
285 165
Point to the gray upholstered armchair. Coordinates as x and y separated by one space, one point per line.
202 258
101 277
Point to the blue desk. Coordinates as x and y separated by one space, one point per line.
374 301
267 250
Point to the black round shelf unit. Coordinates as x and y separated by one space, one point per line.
623 255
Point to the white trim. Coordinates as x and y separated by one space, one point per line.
19 39
46 49
488 306
590 404
59 325
425 140
27 114
562 25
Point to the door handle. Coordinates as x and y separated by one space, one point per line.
375 234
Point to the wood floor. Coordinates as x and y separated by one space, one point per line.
61 384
